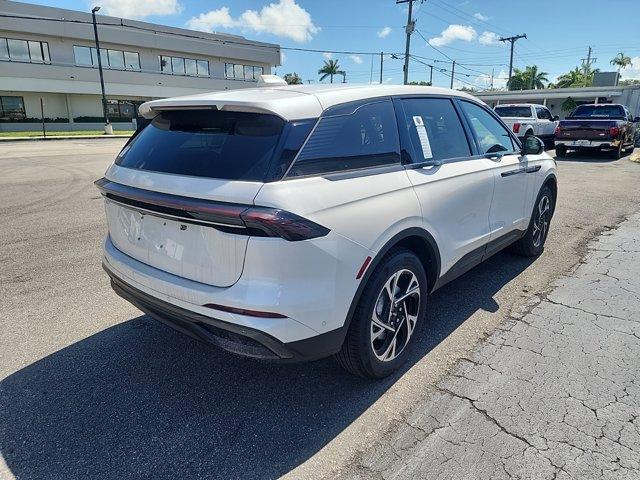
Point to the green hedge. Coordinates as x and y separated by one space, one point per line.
34 120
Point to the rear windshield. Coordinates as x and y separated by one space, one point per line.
598 111
206 143
513 111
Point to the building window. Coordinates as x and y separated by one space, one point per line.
24 50
183 66
236 71
12 108
121 110
113 59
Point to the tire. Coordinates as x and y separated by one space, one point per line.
367 350
618 152
532 243
561 151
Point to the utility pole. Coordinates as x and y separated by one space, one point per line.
513 41
491 84
381 63
453 70
430 74
411 24
586 62
108 128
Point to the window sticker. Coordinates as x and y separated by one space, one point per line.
424 138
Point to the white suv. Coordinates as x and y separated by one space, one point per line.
298 222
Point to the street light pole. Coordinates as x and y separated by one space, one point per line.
108 128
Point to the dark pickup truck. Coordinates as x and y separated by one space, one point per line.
597 127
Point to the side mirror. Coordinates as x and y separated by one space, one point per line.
636 120
532 146
556 118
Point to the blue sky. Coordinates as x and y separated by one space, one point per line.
559 33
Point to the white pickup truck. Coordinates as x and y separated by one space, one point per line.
529 119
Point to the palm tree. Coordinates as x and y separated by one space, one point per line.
292 78
621 61
329 69
529 78
572 79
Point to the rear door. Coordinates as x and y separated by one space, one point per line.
546 125
507 217
191 161
454 193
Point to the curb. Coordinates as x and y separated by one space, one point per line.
61 137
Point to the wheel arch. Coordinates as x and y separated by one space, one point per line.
552 182
416 239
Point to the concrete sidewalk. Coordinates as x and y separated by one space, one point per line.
553 394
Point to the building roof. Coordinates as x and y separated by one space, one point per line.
291 102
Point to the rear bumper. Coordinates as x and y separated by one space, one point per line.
231 337
591 144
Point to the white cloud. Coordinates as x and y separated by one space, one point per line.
327 55
140 8
384 33
284 19
632 72
453 33
489 38
356 59
481 17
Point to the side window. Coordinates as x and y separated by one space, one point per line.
434 129
543 113
491 135
368 137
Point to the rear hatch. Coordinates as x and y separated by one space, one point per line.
176 193
514 114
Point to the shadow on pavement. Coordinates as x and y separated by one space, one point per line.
139 400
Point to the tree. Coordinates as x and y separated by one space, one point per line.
329 69
292 78
620 61
529 78
421 83
628 82
568 105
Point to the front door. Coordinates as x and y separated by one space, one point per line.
507 216
454 193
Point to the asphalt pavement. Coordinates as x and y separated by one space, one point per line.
91 388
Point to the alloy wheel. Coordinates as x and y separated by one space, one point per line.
395 315
541 221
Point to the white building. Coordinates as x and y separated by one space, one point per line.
553 98
48 53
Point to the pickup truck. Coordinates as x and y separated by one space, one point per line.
529 119
597 127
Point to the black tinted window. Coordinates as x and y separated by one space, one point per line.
206 143
434 129
543 113
514 111
492 136
368 137
596 111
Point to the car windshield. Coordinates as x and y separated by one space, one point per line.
513 111
206 143
598 111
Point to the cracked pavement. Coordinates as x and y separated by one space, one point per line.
553 393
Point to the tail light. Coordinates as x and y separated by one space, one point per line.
516 127
614 132
558 130
229 217
280 223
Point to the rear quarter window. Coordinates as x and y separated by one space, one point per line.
364 138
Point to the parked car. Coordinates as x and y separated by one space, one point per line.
298 222
529 119
597 127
